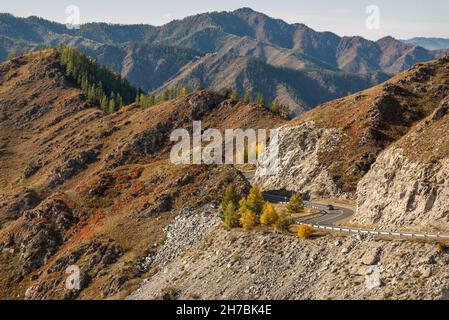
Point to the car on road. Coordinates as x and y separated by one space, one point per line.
330 207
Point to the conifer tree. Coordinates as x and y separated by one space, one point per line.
282 223
248 220
234 95
96 81
255 201
243 206
231 217
165 95
296 203
229 197
104 104
269 215
111 106
276 107
183 91
248 97
260 99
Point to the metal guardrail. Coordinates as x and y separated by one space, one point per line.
399 235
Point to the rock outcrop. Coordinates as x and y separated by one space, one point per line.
299 166
402 193
328 150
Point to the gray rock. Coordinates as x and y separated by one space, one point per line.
299 168
398 192
372 278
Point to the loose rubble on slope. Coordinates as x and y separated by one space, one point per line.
238 265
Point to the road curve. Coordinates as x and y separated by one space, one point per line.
329 217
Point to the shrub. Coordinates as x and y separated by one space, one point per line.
440 247
305 231
170 293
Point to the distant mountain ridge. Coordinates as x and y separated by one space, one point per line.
218 50
429 43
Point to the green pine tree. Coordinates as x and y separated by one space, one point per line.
104 104
229 197
248 97
260 99
111 106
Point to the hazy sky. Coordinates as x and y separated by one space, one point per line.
399 18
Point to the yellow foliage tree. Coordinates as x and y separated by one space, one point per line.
305 231
248 220
269 215
243 206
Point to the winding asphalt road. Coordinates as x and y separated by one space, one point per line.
328 217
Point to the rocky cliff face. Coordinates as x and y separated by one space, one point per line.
299 167
403 193
328 150
407 185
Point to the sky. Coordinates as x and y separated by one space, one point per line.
401 19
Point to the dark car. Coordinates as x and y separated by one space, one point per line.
330 207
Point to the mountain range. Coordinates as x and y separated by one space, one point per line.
429 43
244 49
100 188
94 189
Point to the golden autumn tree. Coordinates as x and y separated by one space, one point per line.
269 215
248 220
305 231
